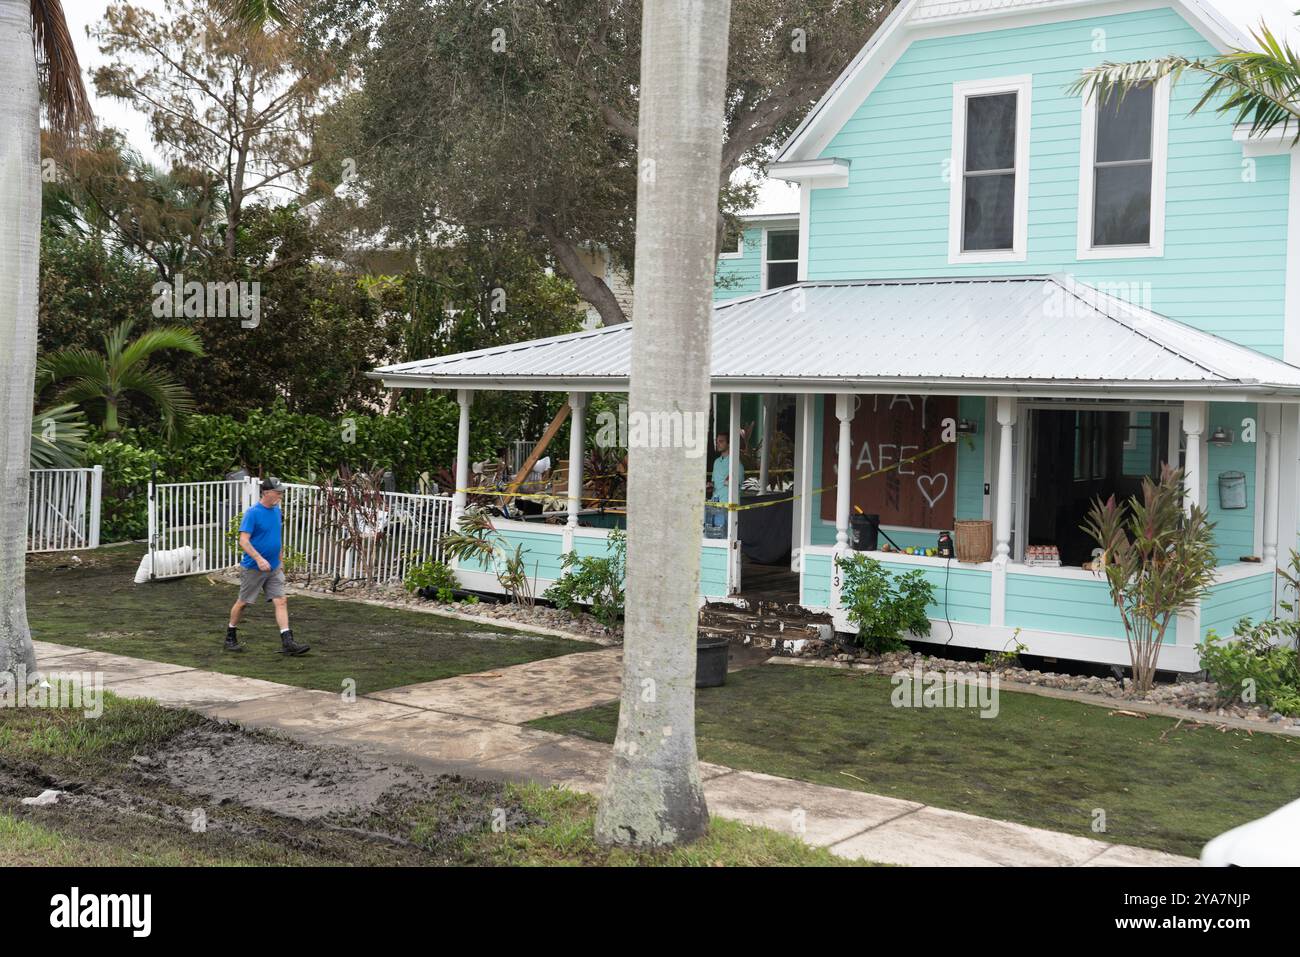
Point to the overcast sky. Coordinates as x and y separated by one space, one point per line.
775 197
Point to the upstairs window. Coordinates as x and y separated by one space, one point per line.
781 267
1121 185
990 175
733 243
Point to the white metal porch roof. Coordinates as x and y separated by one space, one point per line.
1039 335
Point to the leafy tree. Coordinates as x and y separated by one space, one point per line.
87 287
106 191
237 104
522 114
1157 560
85 377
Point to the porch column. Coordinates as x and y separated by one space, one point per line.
1002 532
844 470
1193 427
735 472
796 486
765 440
1272 416
577 442
1288 491
1002 484
803 504
459 497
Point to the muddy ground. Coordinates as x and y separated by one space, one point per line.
213 793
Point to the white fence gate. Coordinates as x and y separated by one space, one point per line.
193 525
63 507
193 529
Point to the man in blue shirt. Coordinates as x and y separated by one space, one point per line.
720 479
260 569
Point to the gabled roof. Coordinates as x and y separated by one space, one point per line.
1036 335
912 19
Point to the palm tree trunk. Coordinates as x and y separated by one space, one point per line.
20 241
652 793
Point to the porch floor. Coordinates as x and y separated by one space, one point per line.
769 582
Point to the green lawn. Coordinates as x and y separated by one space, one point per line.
120 817
1041 761
183 621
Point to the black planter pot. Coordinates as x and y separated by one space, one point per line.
710 662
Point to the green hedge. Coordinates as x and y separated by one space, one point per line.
418 437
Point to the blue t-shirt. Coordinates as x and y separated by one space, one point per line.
263 527
721 470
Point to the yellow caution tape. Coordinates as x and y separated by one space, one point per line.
728 506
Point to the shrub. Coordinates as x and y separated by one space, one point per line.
884 606
124 514
477 540
594 583
435 576
1255 667
1157 561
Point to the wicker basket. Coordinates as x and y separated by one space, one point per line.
974 540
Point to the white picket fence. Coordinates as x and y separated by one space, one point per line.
63 509
193 529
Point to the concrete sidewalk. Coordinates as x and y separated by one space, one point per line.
470 725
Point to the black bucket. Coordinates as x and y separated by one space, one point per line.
710 662
866 533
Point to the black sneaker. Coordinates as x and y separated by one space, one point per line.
290 647
232 644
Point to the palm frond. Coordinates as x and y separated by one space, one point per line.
160 387
1259 87
257 14
66 103
70 363
115 340
166 337
58 437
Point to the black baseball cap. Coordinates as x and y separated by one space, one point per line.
271 484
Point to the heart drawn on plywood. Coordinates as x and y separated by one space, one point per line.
932 487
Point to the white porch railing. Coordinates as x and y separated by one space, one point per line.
63 508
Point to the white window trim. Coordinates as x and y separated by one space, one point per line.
1159 170
762 260
739 251
1022 86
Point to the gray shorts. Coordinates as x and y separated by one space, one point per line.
254 580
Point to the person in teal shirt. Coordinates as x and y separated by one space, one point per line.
717 517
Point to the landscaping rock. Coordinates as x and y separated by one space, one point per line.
1192 695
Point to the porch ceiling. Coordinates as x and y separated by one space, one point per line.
1039 335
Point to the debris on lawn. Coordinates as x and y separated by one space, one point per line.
44 799
1128 714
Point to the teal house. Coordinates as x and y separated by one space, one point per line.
996 301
